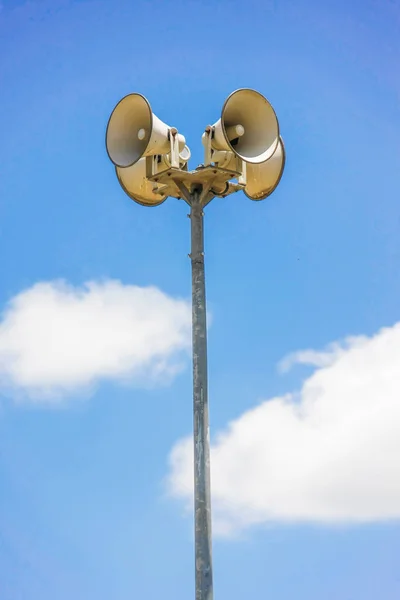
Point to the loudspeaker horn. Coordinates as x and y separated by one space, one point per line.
133 132
262 179
135 184
248 127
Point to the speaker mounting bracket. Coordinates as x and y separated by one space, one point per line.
206 139
174 144
212 180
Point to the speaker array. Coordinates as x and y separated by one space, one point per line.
245 139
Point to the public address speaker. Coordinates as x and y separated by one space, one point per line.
248 127
133 132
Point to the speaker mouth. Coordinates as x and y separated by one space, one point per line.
275 180
129 130
251 111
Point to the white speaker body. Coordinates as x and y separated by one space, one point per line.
225 160
133 132
258 131
262 179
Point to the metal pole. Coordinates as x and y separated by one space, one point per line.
202 500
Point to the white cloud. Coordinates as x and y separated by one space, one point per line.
56 339
330 453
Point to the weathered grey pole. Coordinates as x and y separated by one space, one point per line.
202 500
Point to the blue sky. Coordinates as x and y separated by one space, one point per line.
96 379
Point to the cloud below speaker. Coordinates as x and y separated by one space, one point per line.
248 127
262 179
133 132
